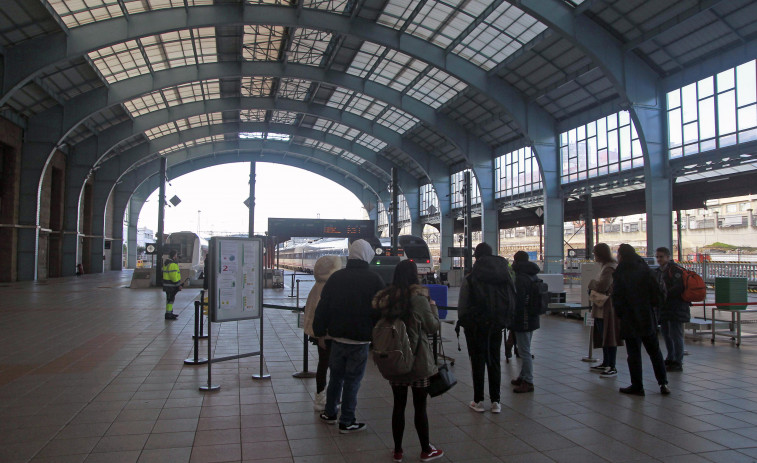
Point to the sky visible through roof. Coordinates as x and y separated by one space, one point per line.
219 192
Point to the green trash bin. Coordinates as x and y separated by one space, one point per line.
731 290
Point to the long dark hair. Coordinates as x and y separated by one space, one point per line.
399 294
602 253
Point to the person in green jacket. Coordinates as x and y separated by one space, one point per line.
407 300
171 283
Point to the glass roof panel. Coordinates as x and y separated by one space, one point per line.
161 130
262 43
436 88
395 69
334 150
181 48
284 117
365 106
75 13
271 2
398 120
252 115
169 50
339 98
294 89
192 122
252 135
335 6
278 136
139 6
172 96
257 86
309 46
438 21
371 142
120 61
501 34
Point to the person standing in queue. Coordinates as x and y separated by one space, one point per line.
171 282
345 314
485 307
324 267
407 300
525 321
606 323
634 290
674 311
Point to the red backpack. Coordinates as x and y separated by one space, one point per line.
694 289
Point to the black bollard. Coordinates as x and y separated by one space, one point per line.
196 360
202 318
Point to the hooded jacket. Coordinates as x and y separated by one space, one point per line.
344 310
632 290
422 321
524 276
324 267
487 295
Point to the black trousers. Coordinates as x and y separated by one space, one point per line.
652 346
484 346
171 292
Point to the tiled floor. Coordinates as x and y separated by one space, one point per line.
90 371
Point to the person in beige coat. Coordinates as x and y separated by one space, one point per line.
606 323
322 270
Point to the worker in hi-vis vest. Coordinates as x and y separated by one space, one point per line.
171 283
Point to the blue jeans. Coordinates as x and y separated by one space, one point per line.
672 332
347 364
523 339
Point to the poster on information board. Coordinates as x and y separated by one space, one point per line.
236 278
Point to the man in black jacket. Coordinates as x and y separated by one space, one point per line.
484 309
344 313
633 295
525 321
674 311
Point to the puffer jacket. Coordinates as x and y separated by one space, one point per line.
522 319
488 291
322 270
632 294
422 321
344 310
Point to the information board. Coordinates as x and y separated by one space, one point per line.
236 278
288 228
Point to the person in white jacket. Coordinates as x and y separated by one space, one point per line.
322 270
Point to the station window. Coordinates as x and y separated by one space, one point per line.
516 172
602 147
718 111
429 201
458 196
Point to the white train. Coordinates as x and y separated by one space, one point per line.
301 257
192 251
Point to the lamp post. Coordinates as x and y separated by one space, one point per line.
198 221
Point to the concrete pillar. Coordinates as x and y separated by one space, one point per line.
554 208
412 196
489 210
40 138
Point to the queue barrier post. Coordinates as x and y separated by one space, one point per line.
300 313
195 360
204 306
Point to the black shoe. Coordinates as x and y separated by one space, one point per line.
668 362
599 368
674 366
330 419
664 389
632 390
354 427
171 316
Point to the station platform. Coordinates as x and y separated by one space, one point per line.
90 371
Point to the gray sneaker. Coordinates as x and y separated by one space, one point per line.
610 372
348 428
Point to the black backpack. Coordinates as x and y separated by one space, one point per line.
537 299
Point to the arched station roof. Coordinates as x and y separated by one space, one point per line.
428 86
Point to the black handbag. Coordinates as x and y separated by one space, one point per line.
444 379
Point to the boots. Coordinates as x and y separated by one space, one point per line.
524 387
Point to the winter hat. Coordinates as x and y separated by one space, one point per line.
325 266
361 249
483 249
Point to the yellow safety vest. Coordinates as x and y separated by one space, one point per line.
171 274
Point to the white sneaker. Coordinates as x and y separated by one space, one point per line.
319 404
477 406
496 407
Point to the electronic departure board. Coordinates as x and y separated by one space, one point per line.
284 229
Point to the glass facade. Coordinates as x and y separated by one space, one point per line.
458 196
516 172
429 201
718 111
605 146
